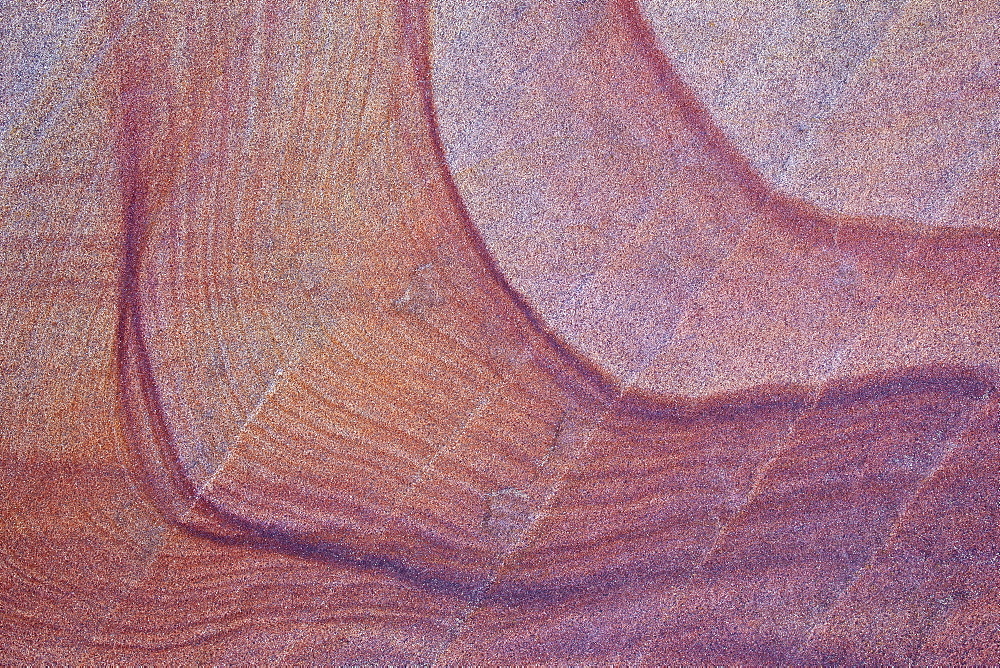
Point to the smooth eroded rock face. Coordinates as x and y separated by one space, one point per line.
646 241
275 391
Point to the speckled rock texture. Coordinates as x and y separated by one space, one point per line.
463 333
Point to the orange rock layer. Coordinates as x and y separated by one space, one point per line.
272 400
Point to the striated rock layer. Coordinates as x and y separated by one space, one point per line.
273 393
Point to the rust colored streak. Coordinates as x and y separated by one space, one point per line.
343 433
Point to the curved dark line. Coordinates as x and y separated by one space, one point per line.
692 110
699 119
416 36
130 348
140 394
138 391
134 343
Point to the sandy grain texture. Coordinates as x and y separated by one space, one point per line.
399 332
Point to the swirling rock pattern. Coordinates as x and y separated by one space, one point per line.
291 375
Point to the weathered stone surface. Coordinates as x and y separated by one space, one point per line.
296 371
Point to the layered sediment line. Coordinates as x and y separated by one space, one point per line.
335 425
